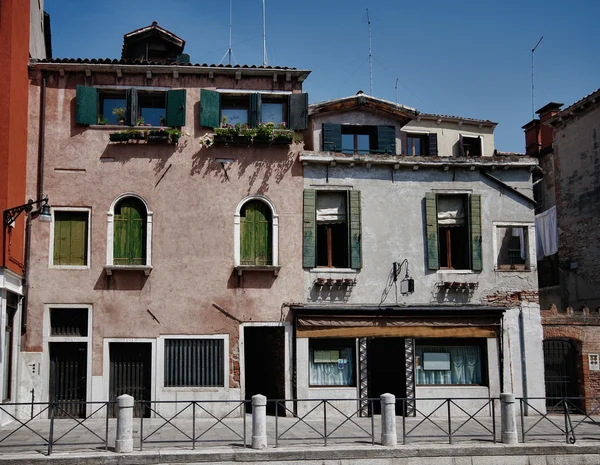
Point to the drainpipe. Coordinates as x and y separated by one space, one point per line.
523 360
40 194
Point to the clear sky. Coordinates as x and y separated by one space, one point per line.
463 57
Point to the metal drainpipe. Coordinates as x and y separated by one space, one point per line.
40 193
523 360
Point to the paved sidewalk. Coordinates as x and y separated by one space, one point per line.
158 434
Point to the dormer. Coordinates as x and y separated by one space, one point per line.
152 43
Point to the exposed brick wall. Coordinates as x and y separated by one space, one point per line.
511 298
583 327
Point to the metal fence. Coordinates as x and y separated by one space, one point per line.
295 422
44 429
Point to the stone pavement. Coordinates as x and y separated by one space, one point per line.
284 433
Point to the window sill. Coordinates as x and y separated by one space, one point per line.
124 127
326 270
245 268
449 271
69 267
512 268
110 268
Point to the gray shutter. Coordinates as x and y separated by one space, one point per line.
355 229
309 232
87 105
386 139
210 108
176 107
475 225
332 137
431 227
298 111
255 110
433 145
131 107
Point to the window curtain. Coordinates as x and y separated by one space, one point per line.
332 374
331 208
520 233
451 211
465 366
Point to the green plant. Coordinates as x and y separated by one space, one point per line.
119 112
102 120
246 131
265 130
140 121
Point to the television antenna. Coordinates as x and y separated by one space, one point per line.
532 87
370 56
265 61
229 52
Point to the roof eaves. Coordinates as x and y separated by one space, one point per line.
433 116
589 101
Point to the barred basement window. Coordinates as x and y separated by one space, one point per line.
194 362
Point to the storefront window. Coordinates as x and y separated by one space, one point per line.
332 362
449 364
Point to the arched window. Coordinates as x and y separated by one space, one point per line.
256 233
129 234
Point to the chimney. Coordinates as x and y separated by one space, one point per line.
539 136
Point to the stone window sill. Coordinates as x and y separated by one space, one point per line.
110 268
246 268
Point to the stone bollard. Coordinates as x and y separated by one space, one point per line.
259 422
388 420
124 442
509 419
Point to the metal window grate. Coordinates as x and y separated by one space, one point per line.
194 362
71 322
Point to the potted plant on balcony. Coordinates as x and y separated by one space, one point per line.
244 134
140 121
174 135
264 133
282 135
158 135
122 136
102 120
119 112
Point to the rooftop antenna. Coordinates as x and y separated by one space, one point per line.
370 56
532 87
229 52
265 61
396 88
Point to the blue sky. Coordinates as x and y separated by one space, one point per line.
462 57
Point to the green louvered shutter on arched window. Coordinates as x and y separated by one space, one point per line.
256 234
129 247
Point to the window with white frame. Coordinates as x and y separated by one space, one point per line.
332 362
129 233
194 362
70 238
256 232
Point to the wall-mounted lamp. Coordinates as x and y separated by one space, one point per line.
12 214
407 285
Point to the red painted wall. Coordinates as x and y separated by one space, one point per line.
14 57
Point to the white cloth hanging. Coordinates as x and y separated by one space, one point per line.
451 211
331 207
520 233
546 232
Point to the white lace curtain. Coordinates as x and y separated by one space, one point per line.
339 373
465 365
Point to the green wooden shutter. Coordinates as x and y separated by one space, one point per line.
87 105
298 111
475 224
309 232
332 137
131 107
210 108
433 261
70 238
433 144
255 110
129 245
355 229
255 235
386 139
176 108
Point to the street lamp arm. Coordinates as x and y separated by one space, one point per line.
11 214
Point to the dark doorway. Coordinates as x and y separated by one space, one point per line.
68 378
131 373
386 370
561 372
265 364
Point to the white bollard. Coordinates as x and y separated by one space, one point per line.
388 420
509 419
124 442
259 422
